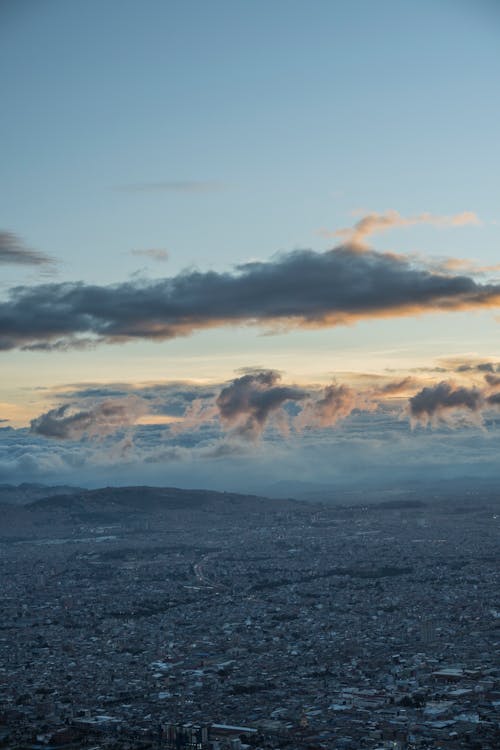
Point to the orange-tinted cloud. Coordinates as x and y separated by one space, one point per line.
334 404
294 290
375 223
102 418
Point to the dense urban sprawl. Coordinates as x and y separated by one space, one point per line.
133 621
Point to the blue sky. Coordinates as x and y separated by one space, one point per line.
227 132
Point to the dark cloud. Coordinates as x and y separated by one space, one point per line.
247 403
300 289
61 345
436 402
395 388
479 367
103 418
468 364
492 380
13 251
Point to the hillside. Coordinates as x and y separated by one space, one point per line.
132 508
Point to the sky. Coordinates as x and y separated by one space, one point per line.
248 242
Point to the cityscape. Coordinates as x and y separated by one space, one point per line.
250 375
162 618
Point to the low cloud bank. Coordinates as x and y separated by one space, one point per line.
244 408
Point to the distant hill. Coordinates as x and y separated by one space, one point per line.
81 514
152 500
23 494
80 511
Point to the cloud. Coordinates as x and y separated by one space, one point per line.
472 365
298 289
492 380
375 223
447 265
478 367
13 251
371 449
108 433
435 403
154 254
197 413
189 415
396 388
173 186
248 402
335 403
242 407
104 418
94 392
182 406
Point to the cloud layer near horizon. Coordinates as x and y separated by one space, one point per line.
369 447
243 409
259 420
303 288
